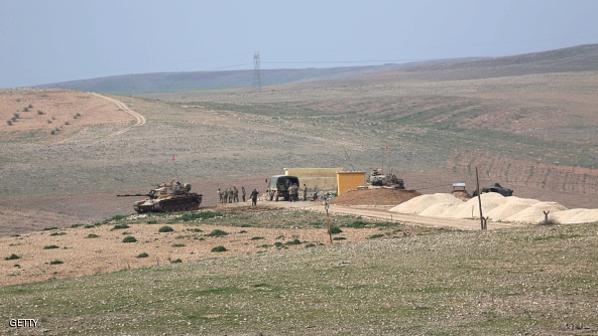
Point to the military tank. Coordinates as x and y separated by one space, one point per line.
378 179
167 197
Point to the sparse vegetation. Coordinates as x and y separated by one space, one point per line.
12 257
335 230
59 233
56 262
176 261
51 247
294 242
129 239
200 215
219 248
91 236
217 233
120 226
178 245
376 236
257 238
165 229
142 255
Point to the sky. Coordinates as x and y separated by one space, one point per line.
59 40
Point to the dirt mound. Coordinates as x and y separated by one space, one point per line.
378 196
496 207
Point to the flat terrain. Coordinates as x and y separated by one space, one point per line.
537 280
99 248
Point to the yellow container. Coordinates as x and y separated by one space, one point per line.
322 179
349 181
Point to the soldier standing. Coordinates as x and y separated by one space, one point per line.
235 195
220 195
253 197
304 192
243 193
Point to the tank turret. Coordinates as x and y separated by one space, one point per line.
167 197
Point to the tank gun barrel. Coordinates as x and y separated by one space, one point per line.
133 195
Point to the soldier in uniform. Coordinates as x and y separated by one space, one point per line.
220 196
304 192
243 193
253 197
235 195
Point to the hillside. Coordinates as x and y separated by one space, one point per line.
573 59
200 80
534 133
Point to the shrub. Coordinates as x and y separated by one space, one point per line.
358 224
16 115
165 228
9 122
88 226
66 123
189 216
91 236
129 239
25 109
120 226
76 225
178 245
310 245
257 238
40 112
243 231
152 221
61 233
339 238
142 255
217 233
219 248
30 106
550 221
176 261
56 262
375 236
51 247
12 257
264 246
50 121
335 230
294 242
50 228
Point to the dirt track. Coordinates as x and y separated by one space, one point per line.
381 213
139 118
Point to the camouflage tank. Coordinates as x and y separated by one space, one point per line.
378 179
167 197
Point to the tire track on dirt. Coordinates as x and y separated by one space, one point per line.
139 119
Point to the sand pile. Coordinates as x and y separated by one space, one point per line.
496 207
377 196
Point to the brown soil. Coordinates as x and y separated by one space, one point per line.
378 196
106 253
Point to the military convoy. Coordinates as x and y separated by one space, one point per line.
167 197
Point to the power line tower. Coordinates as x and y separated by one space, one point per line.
257 72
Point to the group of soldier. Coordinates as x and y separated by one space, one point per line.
231 195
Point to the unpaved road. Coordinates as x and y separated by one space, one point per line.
455 223
139 118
